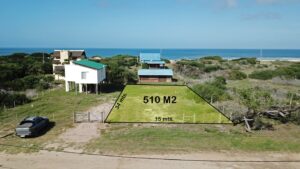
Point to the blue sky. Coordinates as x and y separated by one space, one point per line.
150 23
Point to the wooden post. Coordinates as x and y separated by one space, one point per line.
76 88
89 118
97 88
74 117
86 89
194 118
291 100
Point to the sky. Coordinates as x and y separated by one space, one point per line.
223 24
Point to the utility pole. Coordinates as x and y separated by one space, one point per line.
43 58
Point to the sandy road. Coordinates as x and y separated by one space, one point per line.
210 160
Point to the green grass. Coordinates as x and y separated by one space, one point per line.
189 107
192 138
57 105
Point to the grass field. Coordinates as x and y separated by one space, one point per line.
163 104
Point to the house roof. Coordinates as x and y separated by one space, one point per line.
90 64
77 53
150 56
56 54
155 72
71 53
155 62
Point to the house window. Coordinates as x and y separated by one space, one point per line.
83 75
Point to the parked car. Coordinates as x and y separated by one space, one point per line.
32 126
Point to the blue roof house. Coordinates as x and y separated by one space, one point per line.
155 75
153 60
148 57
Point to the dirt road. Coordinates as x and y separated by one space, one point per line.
205 160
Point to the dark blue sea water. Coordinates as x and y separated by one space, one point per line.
265 54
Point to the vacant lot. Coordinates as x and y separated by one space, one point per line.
163 104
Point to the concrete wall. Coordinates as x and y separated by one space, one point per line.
64 54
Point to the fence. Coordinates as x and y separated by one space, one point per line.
81 117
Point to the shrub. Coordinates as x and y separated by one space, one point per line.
255 98
145 66
213 91
211 68
237 75
246 61
218 58
166 60
293 71
11 100
262 75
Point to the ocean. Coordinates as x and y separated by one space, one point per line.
175 54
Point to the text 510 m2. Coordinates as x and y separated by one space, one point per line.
160 99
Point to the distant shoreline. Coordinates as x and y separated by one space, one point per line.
179 54
259 59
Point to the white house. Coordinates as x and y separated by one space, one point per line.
85 75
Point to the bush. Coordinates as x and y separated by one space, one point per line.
213 91
218 58
11 100
145 66
262 75
246 61
255 98
292 71
237 75
166 60
211 68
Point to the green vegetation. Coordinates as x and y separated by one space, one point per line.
8 100
213 91
194 68
217 58
120 69
192 138
255 98
145 66
136 105
292 71
166 60
237 75
211 68
20 70
246 61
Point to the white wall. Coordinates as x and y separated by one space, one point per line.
93 76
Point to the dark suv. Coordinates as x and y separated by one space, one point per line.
32 126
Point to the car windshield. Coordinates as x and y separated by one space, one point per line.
24 122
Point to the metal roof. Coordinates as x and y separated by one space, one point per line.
155 62
90 64
155 72
150 57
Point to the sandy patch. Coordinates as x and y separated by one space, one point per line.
238 160
81 133
75 138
